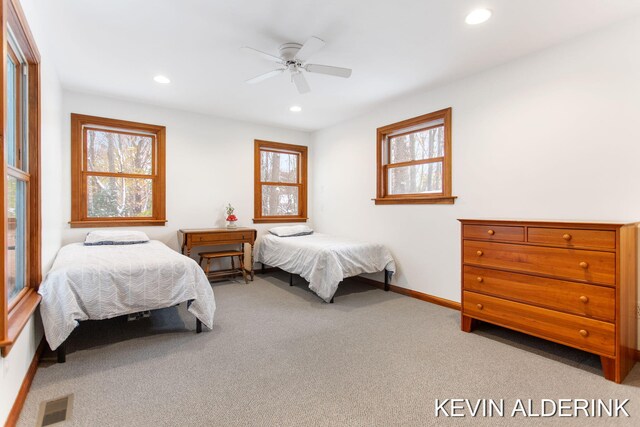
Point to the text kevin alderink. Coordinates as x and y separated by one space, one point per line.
531 408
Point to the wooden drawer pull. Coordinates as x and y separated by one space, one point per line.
479 253
491 232
584 333
480 279
584 264
584 299
480 306
566 237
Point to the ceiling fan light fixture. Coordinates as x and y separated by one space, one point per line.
295 108
478 16
162 79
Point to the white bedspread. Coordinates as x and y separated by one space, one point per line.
324 261
101 282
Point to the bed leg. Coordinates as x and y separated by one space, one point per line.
198 326
262 269
61 352
386 280
290 279
331 302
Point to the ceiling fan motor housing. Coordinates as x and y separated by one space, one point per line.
288 51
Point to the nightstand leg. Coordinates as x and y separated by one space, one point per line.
467 324
244 272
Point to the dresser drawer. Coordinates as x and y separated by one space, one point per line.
571 297
490 232
221 237
597 239
591 266
587 334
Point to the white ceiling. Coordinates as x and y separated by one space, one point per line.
116 47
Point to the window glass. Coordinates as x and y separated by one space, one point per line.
278 167
110 151
279 200
416 179
11 132
115 197
24 114
420 145
16 236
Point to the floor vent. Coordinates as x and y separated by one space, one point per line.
55 411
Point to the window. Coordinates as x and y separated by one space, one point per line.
414 160
20 201
280 182
118 176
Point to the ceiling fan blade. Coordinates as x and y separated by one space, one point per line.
300 82
265 76
327 69
310 47
264 55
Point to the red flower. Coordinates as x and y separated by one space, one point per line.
232 217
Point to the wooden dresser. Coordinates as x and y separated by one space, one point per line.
569 282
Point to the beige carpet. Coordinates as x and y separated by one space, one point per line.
280 356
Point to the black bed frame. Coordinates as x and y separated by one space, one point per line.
61 351
387 276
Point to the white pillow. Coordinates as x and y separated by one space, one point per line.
111 237
291 231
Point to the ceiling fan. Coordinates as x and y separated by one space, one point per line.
293 58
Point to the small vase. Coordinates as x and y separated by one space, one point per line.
231 224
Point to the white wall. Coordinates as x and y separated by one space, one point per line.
14 367
553 135
209 163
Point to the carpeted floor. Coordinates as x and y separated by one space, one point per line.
280 356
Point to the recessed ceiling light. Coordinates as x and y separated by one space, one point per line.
162 79
295 109
478 16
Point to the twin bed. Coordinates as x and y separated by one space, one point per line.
323 260
119 273
111 278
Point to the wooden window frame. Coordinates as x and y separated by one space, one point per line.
80 123
14 315
383 133
280 147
